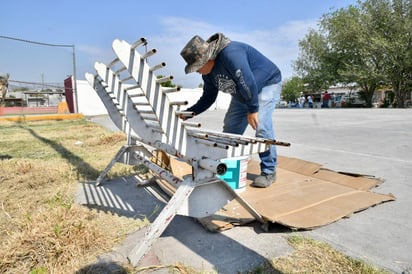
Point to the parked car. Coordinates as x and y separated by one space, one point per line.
282 104
348 100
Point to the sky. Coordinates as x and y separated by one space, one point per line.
87 28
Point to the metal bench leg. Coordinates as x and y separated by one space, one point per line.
162 221
116 158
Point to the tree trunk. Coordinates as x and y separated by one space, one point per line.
400 98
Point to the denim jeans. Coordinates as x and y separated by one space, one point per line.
236 122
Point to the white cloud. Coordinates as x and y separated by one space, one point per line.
279 44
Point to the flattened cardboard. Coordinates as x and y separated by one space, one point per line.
305 196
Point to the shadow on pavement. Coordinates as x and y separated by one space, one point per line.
185 240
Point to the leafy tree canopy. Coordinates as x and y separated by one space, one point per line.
369 43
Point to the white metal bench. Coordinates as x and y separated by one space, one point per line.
139 106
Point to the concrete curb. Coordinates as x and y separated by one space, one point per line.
22 118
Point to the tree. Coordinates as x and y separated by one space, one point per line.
355 36
4 86
167 84
398 35
369 44
291 89
311 64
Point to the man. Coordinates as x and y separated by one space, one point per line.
253 81
326 98
301 100
310 101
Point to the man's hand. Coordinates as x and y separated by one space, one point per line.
252 119
186 115
181 116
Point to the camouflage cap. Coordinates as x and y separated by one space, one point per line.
196 54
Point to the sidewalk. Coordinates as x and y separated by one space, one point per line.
374 142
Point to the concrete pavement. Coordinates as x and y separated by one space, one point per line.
375 142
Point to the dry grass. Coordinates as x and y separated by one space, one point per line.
43 231
311 256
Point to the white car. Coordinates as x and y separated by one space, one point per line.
282 104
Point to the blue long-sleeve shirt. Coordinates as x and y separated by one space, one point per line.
240 70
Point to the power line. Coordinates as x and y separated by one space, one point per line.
37 43
37 84
54 45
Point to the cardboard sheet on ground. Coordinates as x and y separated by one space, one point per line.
305 196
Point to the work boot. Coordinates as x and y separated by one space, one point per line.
264 180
